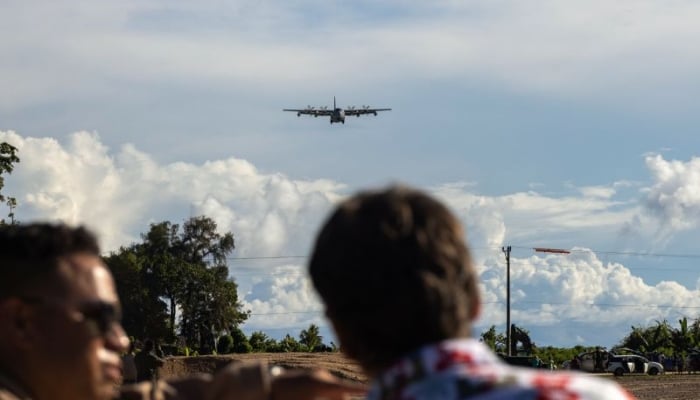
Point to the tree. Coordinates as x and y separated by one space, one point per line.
224 344
209 298
635 340
494 340
260 342
288 344
683 338
185 271
8 159
311 338
144 312
240 341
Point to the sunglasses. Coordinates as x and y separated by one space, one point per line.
100 317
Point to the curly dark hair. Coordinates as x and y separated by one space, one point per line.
394 272
29 254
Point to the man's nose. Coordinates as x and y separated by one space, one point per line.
116 338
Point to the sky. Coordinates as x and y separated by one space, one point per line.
541 124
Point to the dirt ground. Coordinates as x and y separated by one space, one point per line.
662 387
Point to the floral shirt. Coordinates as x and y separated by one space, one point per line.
467 369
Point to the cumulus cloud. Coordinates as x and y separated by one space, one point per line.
119 192
531 217
674 197
557 290
283 297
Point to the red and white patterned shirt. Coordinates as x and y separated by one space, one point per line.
467 369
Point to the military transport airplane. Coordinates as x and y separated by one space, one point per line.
336 114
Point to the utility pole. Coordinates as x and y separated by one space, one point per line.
506 250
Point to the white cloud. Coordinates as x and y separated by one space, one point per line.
284 297
117 195
560 289
674 197
83 181
602 192
620 49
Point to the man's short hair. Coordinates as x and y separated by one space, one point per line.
29 254
395 274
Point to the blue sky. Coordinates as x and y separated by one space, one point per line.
546 123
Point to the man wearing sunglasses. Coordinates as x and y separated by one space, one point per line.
61 337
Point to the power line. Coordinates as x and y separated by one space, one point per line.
598 304
608 252
289 312
624 253
520 302
264 257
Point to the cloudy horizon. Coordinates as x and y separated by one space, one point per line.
541 124
119 192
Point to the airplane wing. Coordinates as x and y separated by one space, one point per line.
364 110
316 112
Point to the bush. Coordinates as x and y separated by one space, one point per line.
224 345
240 341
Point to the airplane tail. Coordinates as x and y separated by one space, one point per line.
334 107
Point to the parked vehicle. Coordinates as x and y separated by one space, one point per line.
620 364
593 361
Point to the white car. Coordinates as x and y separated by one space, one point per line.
620 364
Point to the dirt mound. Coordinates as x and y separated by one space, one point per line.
336 363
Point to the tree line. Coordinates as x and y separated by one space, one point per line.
653 340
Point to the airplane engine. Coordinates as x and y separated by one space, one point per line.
298 114
375 113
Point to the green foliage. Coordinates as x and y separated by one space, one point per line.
311 339
497 341
179 271
144 312
664 338
8 159
240 341
288 344
260 342
558 355
185 351
494 340
224 344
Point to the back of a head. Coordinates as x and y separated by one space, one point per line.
29 254
395 274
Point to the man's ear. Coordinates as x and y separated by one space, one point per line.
16 324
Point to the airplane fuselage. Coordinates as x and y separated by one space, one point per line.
338 115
